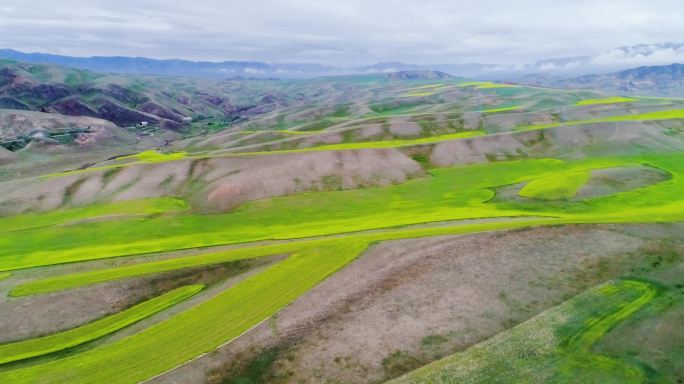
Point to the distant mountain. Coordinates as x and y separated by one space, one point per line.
142 66
230 69
388 67
663 80
615 59
612 60
609 61
423 74
666 80
126 100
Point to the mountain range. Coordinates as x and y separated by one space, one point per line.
662 80
612 60
126 100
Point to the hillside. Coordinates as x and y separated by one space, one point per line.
411 226
166 103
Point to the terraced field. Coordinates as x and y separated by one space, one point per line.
56 342
519 138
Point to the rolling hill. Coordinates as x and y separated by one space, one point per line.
406 227
165 102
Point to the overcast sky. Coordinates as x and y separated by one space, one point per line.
347 32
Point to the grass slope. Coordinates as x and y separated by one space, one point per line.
118 210
502 109
658 115
607 100
60 341
486 85
154 157
207 325
553 347
555 187
449 194
457 193
62 282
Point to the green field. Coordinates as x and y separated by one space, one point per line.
388 143
52 284
314 234
281 131
502 109
553 347
207 325
420 94
156 157
486 85
153 156
39 346
448 194
658 115
607 100
555 187
309 261
109 211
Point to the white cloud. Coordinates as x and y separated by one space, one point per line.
652 55
342 32
253 71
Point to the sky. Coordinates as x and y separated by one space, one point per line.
342 33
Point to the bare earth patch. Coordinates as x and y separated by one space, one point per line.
409 302
33 316
609 181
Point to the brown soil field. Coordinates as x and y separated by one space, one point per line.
405 303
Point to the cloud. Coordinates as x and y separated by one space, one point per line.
344 32
650 55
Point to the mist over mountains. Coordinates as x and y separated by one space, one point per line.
613 60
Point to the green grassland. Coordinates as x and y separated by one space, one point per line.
486 85
448 194
116 210
4 275
321 232
396 143
420 94
555 187
273 289
197 330
25 349
455 193
281 131
553 347
390 109
429 86
62 282
607 100
658 115
153 156
502 109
